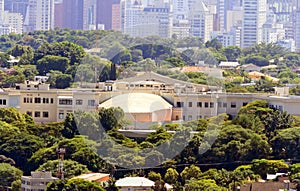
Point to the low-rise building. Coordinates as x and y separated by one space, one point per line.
228 65
268 186
148 97
251 68
135 184
37 181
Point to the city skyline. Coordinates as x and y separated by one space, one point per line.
234 23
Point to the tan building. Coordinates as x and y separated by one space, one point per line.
148 97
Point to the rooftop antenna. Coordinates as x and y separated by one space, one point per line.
60 171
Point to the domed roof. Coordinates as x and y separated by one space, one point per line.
137 103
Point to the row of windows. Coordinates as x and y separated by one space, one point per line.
34 183
190 117
2 101
65 101
51 101
38 114
61 113
38 100
77 102
209 104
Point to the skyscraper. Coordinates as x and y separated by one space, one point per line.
201 21
254 16
39 16
104 13
283 10
180 9
58 13
116 15
151 20
221 12
297 27
17 6
89 14
1 11
73 14
130 13
223 7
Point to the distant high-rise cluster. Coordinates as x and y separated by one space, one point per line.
233 22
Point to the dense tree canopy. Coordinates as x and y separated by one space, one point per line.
8 175
47 63
74 184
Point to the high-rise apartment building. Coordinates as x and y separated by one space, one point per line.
89 14
17 6
116 15
283 10
40 15
14 20
180 9
141 21
201 21
1 11
297 27
221 12
130 13
155 21
233 18
254 16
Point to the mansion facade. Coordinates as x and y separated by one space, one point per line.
170 100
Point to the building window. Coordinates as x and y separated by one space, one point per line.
45 100
206 104
65 102
177 118
211 104
27 100
37 114
190 104
245 103
199 104
51 100
61 114
2 101
219 104
224 105
183 118
91 102
233 105
180 104
29 113
45 114
37 100
79 102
